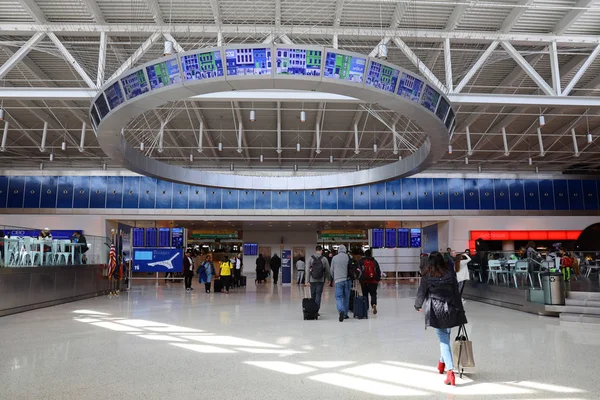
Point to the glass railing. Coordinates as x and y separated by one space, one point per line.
28 247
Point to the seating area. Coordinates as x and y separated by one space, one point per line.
30 252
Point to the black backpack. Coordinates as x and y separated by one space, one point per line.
354 271
317 269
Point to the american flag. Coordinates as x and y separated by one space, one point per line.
112 261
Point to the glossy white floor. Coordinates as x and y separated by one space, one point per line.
163 343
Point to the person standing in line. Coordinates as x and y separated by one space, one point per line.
206 272
238 271
343 285
260 269
300 266
188 270
275 265
444 311
225 272
318 270
461 267
371 275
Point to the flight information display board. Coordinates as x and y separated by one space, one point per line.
442 109
138 237
164 74
95 116
343 67
390 238
382 77
377 238
202 66
164 237
403 241
177 238
450 119
135 84
102 106
430 98
250 249
415 238
248 61
150 237
298 62
114 95
410 87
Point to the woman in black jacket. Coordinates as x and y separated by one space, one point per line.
439 296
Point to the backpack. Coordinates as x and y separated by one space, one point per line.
567 262
369 270
354 271
317 270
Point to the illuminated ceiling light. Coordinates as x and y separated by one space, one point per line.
252 115
331 159
63 146
104 167
530 161
542 120
358 167
231 167
51 156
382 51
220 146
374 147
141 146
262 158
2 114
449 149
191 157
467 160
168 48
479 168
302 116
537 170
41 166
590 139
298 148
4 137
296 167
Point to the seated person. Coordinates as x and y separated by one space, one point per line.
45 234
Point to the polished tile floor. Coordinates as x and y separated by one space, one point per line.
163 343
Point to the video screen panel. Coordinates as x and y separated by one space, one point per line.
390 238
248 61
298 62
430 98
151 237
377 238
202 66
250 249
95 116
403 241
177 238
410 87
138 237
382 77
114 95
415 238
346 68
164 74
164 237
135 84
102 106
450 119
442 109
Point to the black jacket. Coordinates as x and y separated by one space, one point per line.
260 264
188 266
440 299
275 262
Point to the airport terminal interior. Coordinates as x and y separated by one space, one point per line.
264 199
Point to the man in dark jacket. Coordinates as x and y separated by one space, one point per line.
275 264
188 270
371 275
260 269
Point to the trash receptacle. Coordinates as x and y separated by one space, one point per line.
553 285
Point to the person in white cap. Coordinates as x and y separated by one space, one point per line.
45 234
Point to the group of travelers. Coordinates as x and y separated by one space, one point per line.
264 268
228 273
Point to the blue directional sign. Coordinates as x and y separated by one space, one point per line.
157 260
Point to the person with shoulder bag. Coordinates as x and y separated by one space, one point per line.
206 272
439 297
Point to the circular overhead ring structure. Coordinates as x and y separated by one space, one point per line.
254 67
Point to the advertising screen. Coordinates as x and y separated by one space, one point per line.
202 66
415 238
382 77
442 109
390 238
430 98
177 238
403 242
298 62
164 237
151 237
138 237
164 74
114 95
102 106
248 61
377 238
157 260
135 84
410 87
347 68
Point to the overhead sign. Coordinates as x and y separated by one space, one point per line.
157 260
342 234
217 234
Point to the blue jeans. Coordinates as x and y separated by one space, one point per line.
316 292
342 296
444 338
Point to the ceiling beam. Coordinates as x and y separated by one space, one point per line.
456 16
423 69
515 15
529 70
572 16
478 64
207 134
69 57
136 56
592 57
18 55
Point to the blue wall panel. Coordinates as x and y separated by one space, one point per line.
180 196
279 200
471 194
49 191
263 200
501 195
517 195
532 195
231 199
393 195
114 192
197 198
16 192
98 192
575 195
65 192
409 194
164 194
486 194
425 193
33 190
312 200
440 194
329 199
3 190
131 191
296 200
546 195
590 195
81 192
247 199
345 199
147 192
456 188
213 198
361 198
377 196
561 194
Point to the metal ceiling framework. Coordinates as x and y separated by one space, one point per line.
502 63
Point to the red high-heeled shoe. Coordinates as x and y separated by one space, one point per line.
441 367
450 379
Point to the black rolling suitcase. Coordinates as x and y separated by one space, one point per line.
218 285
242 281
310 309
361 305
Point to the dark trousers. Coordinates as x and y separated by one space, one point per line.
461 287
370 289
237 277
207 287
275 275
226 282
188 281
316 292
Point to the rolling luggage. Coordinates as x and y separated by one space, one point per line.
242 281
218 286
310 309
361 305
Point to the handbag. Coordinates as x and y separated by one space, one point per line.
462 351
